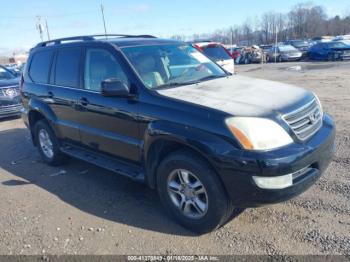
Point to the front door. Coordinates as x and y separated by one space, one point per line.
107 124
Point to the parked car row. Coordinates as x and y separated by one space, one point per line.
328 49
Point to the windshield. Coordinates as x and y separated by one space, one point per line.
337 45
286 48
217 53
300 43
170 65
5 74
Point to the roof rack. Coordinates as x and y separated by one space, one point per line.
87 38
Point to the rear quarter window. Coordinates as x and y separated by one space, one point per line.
40 66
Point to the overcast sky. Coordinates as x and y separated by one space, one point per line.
158 17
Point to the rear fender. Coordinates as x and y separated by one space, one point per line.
36 105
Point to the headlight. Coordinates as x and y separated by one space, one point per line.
258 133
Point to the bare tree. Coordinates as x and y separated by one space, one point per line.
303 21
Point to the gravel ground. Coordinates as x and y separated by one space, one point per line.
82 209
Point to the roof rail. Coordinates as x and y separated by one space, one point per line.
88 38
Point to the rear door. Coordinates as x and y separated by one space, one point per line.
107 124
36 80
64 91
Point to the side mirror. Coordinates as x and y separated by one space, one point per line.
114 87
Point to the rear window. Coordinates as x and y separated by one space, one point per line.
216 53
67 67
40 66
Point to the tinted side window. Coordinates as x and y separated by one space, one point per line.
67 67
100 65
40 66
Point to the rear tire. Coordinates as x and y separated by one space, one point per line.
48 144
212 200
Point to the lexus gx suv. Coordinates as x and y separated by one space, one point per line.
162 113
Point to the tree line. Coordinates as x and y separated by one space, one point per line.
303 21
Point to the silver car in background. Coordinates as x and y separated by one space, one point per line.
283 53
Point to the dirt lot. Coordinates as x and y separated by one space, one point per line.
82 209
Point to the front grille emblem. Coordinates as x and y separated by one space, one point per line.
10 92
313 118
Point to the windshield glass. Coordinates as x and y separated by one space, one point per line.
170 65
217 53
337 45
286 48
5 74
300 43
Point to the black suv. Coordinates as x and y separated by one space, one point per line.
161 112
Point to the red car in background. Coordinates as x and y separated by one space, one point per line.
218 53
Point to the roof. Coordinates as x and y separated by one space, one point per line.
203 44
124 42
116 39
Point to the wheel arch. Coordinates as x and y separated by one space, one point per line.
39 111
163 139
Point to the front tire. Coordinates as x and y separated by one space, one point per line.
192 193
47 144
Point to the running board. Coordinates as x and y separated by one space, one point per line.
112 164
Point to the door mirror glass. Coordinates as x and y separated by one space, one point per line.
114 87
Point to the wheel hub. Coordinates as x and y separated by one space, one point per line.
187 193
45 143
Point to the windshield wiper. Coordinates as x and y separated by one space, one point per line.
172 84
209 78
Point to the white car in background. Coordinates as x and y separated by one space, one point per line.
218 53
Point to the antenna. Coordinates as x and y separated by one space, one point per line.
47 30
103 18
39 27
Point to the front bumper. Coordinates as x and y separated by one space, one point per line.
237 169
11 110
291 58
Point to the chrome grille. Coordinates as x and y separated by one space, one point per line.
305 121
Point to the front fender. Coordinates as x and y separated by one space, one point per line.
209 145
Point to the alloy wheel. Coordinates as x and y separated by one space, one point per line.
45 143
187 193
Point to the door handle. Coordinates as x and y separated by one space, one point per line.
83 101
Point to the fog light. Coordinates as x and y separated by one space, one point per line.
275 182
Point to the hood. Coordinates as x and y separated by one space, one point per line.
10 82
239 95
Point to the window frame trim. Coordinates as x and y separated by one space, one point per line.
109 49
